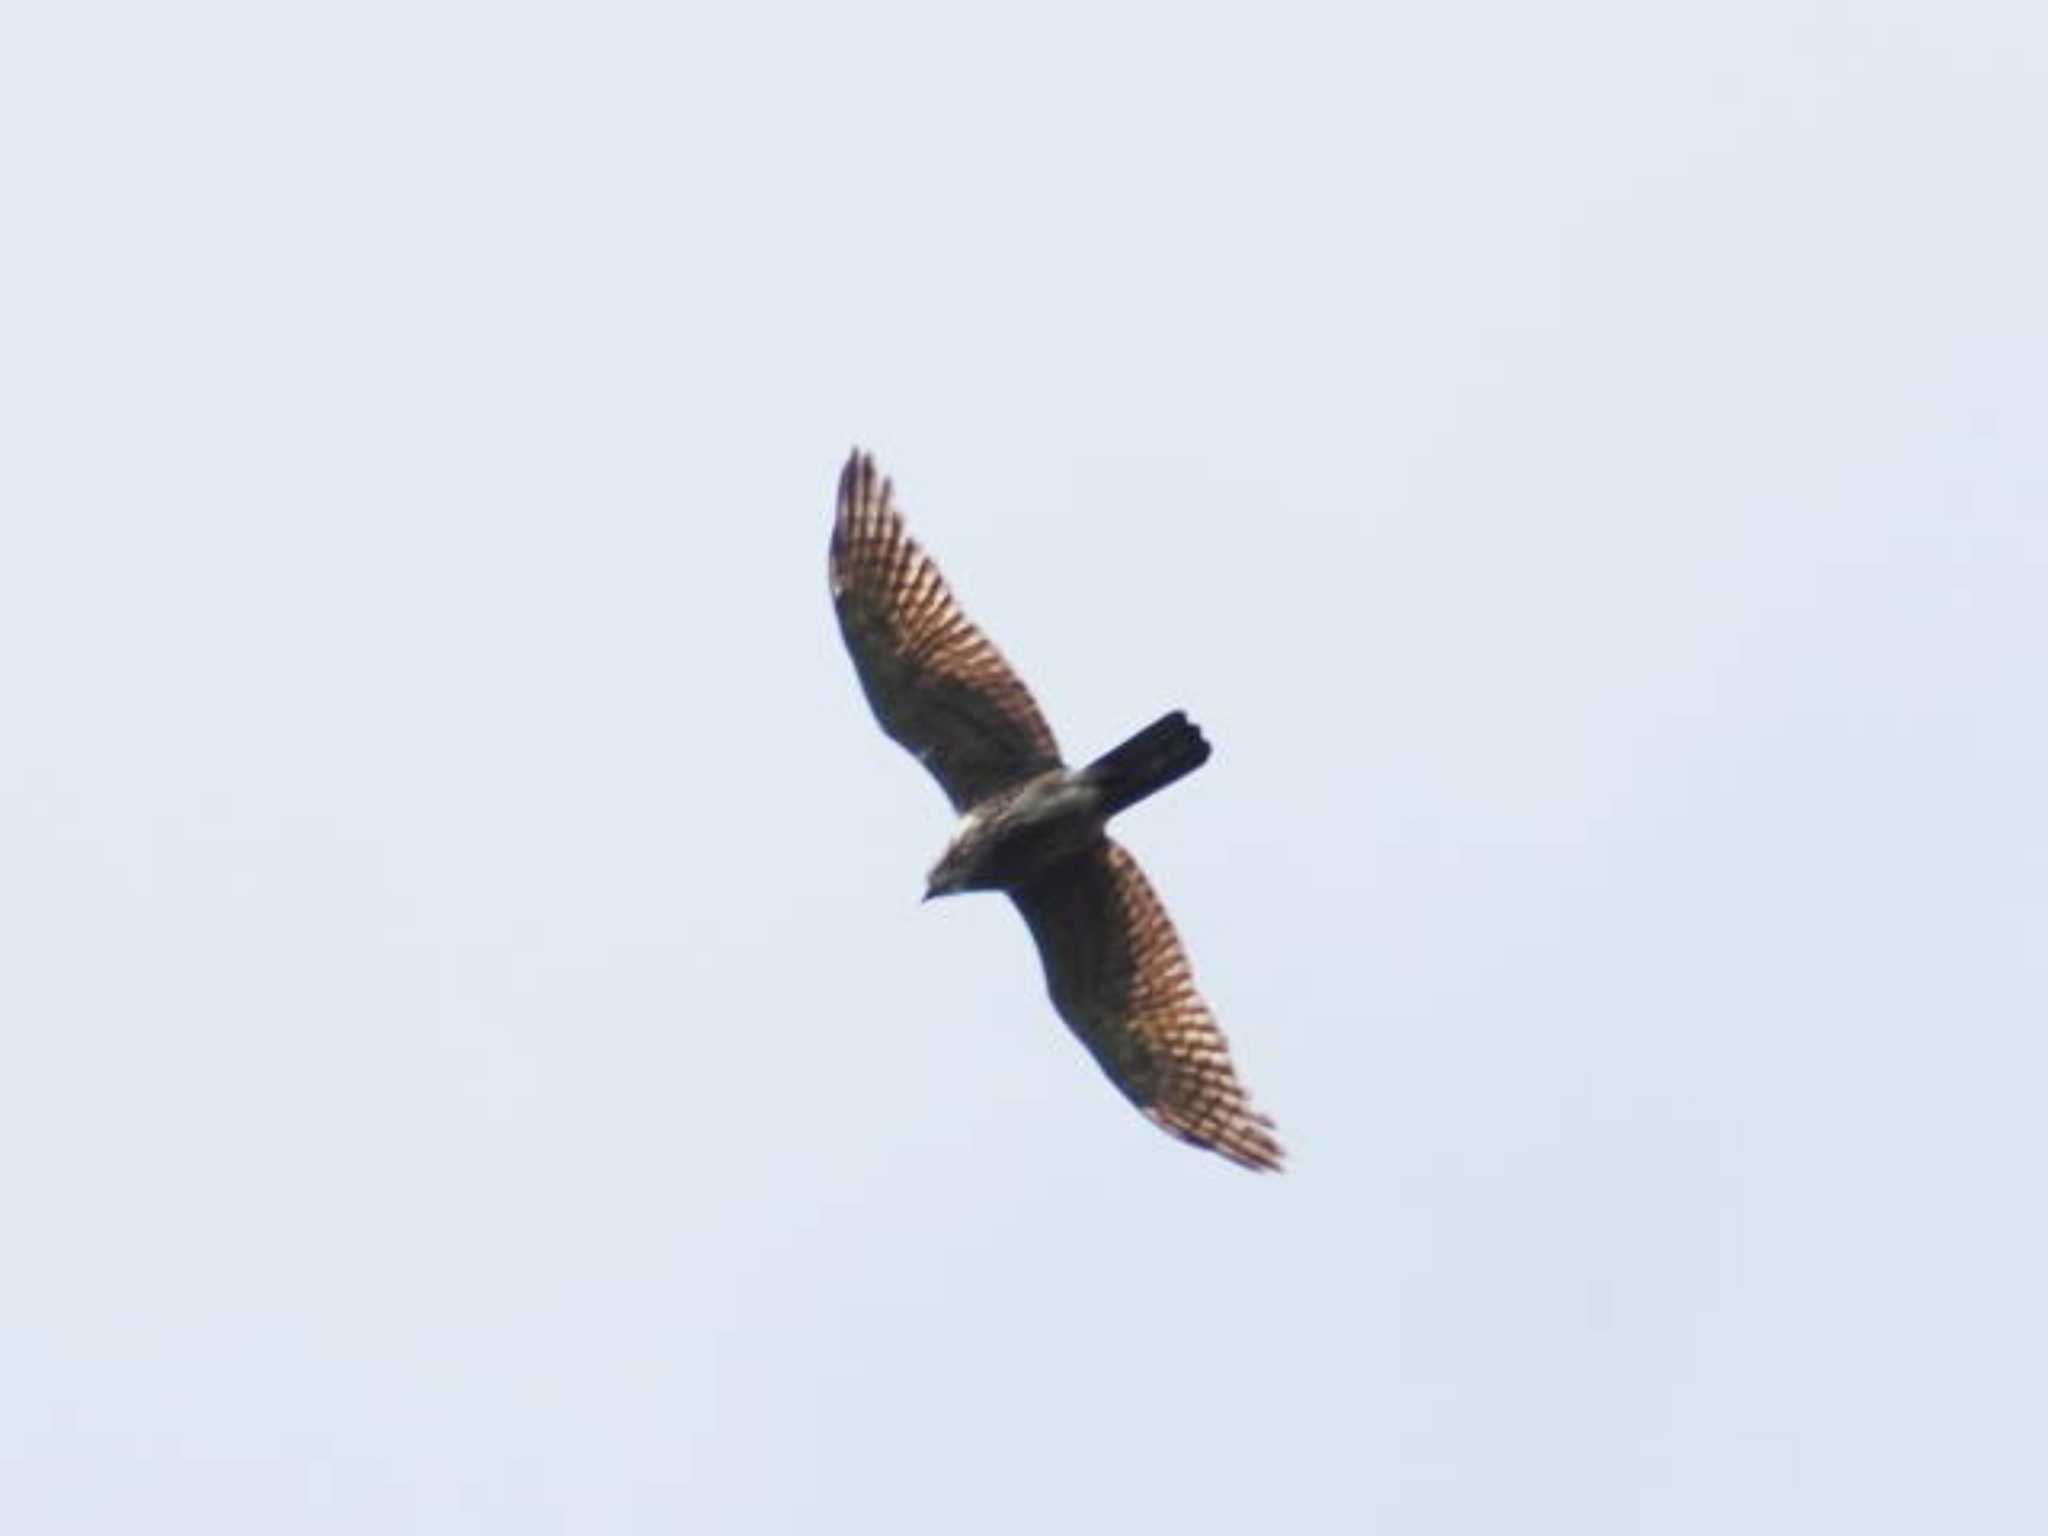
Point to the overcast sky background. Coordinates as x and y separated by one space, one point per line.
471 1056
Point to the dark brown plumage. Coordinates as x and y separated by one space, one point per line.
1033 827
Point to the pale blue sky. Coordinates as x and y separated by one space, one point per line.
474 1060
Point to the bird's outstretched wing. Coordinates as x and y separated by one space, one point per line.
936 682
1119 977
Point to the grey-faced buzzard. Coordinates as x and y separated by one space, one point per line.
1033 827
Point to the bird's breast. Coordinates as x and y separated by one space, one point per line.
1007 843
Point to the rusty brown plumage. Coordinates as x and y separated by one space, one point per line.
937 684
1121 980
1113 963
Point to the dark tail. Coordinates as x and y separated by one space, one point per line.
1169 748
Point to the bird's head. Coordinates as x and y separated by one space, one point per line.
960 863
948 876
963 866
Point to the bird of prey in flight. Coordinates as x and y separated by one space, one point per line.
1033 827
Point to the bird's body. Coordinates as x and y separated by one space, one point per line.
1034 828
1015 835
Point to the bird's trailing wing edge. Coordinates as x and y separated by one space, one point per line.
937 684
1120 978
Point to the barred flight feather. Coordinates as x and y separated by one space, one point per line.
1121 979
1113 963
937 684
